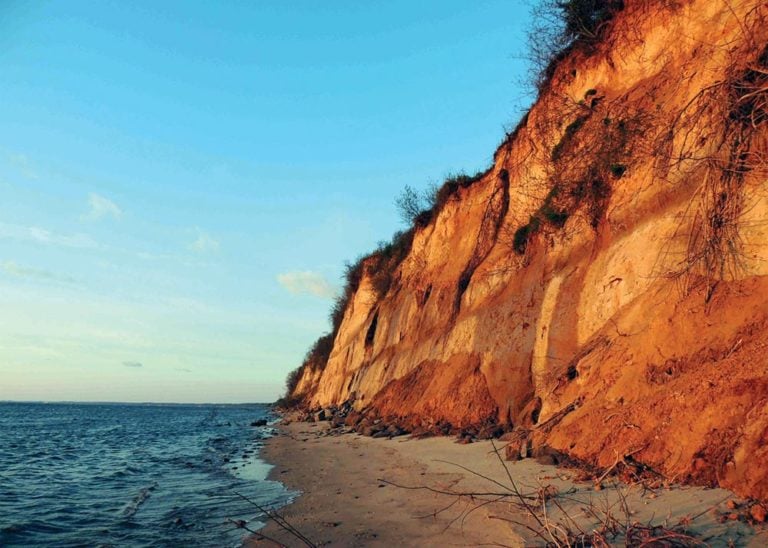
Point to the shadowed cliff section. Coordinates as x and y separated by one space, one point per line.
600 289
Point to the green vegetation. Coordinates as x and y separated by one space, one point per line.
419 208
583 19
416 209
559 26
617 170
590 153
570 132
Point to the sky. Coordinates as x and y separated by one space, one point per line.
182 182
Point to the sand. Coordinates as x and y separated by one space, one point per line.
348 497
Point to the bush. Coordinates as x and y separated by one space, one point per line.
558 25
419 208
292 381
415 208
453 182
318 354
583 19
523 234
384 261
411 204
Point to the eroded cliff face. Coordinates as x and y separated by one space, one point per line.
604 285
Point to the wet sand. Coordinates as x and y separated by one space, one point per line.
348 497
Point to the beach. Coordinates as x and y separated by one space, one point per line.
361 491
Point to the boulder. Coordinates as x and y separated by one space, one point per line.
353 418
544 454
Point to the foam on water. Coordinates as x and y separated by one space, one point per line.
131 475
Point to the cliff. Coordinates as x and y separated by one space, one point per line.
603 287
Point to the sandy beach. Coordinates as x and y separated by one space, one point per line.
360 491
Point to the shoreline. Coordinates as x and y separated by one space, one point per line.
360 491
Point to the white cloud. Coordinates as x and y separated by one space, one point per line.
16 270
42 236
134 365
204 243
307 282
101 207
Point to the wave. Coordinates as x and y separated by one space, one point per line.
141 497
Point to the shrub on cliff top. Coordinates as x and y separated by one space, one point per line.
411 203
292 381
558 25
419 208
318 354
583 18
416 209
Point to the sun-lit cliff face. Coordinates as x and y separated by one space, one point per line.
604 284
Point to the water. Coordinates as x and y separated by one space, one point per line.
131 475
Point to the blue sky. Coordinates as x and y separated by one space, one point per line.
183 181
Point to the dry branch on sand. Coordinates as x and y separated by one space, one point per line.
274 516
555 518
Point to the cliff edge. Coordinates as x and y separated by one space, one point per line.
603 287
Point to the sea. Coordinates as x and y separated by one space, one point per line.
133 475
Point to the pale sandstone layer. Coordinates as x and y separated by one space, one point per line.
640 297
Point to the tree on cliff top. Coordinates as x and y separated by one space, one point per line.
412 204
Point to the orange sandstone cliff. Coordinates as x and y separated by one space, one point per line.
604 285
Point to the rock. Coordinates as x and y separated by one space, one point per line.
353 418
512 452
758 513
546 455
381 434
320 416
394 430
421 432
260 422
397 432
525 448
370 430
510 436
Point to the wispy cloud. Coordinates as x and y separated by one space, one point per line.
133 365
16 270
205 243
42 236
22 163
100 207
183 370
307 282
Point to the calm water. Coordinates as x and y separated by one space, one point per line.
130 475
